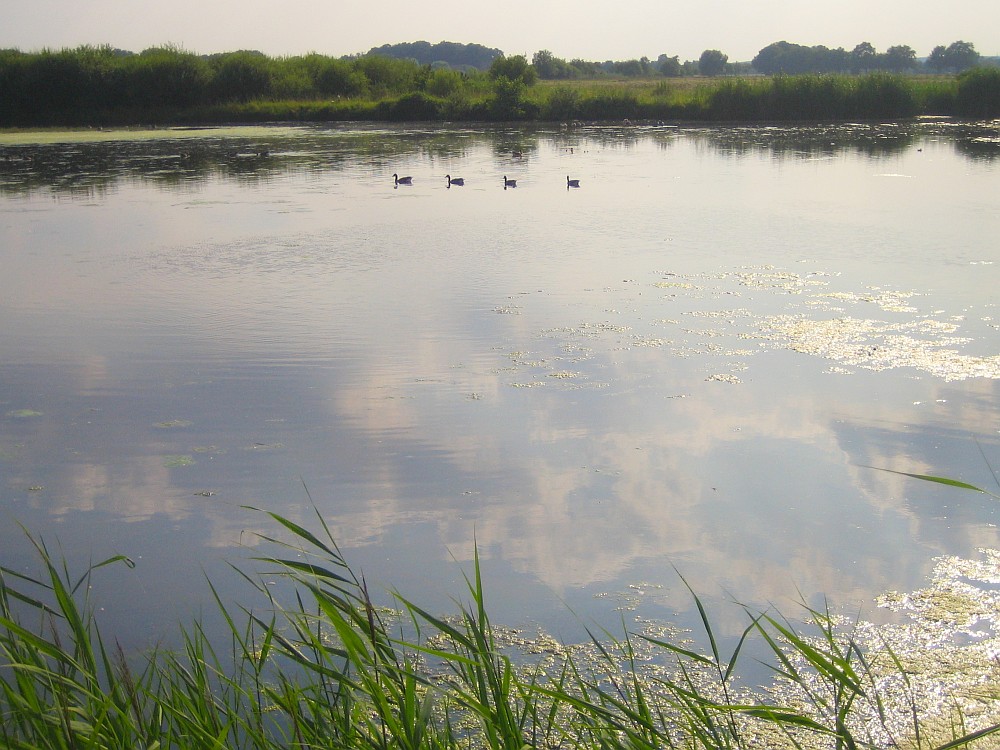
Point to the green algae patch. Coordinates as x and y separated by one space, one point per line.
23 413
173 423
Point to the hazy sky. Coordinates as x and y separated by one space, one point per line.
590 29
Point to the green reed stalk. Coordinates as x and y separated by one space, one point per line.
327 669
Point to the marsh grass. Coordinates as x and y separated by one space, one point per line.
324 667
827 98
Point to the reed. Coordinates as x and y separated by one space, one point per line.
323 666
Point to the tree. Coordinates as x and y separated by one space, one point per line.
782 57
899 58
863 58
668 66
549 66
963 55
954 58
712 62
455 54
629 68
514 68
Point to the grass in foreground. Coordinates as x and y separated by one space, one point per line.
331 670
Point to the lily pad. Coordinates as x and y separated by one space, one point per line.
175 462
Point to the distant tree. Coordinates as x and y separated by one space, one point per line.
629 68
668 66
899 59
585 69
863 58
954 58
455 54
549 66
712 62
514 68
783 57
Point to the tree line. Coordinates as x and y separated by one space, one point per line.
38 86
774 59
777 58
101 85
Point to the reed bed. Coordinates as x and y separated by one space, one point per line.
329 669
826 98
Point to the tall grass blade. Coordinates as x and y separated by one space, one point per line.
939 480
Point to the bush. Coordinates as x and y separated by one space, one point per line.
411 107
242 76
979 93
443 82
563 104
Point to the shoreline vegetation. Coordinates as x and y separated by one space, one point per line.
96 87
319 664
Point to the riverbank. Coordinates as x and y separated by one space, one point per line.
828 98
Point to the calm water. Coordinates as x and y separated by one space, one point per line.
688 361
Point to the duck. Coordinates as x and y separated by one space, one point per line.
572 183
402 180
508 183
460 181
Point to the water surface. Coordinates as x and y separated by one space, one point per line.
689 361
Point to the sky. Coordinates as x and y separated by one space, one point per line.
594 30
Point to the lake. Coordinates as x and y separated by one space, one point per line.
689 363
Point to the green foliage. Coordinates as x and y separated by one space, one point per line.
795 59
451 53
318 664
712 63
387 76
814 97
101 85
508 98
414 107
669 66
242 76
900 58
562 105
443 82
954 58
515 68
609 105
979 93
165 77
